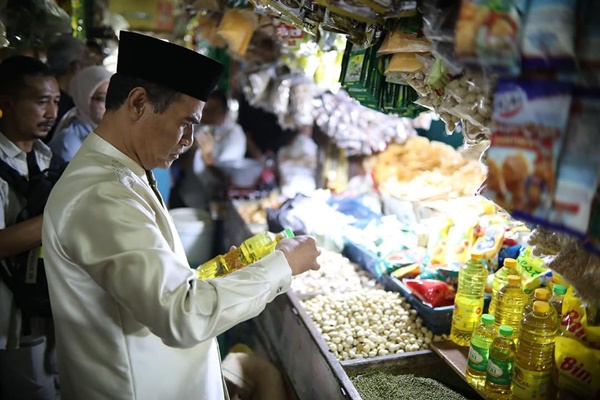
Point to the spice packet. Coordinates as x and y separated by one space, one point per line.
402 42
488 33
549 35
578 175
529 123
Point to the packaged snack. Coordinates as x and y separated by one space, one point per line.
400 42
579 170
291 12
549 35
575 323
487 34
432 292
379 6
404 62
577 368
237 28
436 248
409 271
529 123
531 269
460 241
492 237
351 9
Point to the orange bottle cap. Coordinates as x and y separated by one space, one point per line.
542 294
510 263
541 306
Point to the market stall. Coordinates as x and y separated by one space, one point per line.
400 217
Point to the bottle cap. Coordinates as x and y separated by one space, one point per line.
506 331
541 306
541 294
287 232
476 256
559 289
510 263
488 319
514 279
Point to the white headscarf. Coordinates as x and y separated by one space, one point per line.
81 89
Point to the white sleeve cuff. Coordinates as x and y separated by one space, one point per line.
278 271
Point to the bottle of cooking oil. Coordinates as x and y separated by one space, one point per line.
500 365
534 359
558 295
250 251
481 340
511 302
540 294
468 302
501 279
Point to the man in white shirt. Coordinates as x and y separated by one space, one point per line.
132 320
29 96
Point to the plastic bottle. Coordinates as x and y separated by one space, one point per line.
511 302
534 359
558 295
501 279
540 294
500 365
468 302
481 340
251 250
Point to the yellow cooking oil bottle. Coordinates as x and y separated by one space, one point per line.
540 294
468 302
534 359
500 365
481 340
511 302
501 279
250 251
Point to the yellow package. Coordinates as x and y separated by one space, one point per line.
404 62
402 42
531 269
436 246
577 368
492 236
237 28
460 241
574 323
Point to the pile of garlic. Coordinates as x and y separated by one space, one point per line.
368 323
337 274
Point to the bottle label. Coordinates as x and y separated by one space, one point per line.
530 385
499 372
467 314
478 358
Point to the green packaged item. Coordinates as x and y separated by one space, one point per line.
438 75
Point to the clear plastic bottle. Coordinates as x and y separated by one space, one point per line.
540 294
534 359
556 301
501 279
500 365
511 302
481 340
250 251
468 302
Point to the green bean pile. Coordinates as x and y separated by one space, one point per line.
383 386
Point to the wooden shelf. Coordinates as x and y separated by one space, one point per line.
456 356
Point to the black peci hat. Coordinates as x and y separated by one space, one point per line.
167 64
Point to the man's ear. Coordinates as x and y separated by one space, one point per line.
6 103
137 103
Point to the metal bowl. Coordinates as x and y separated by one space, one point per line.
243 173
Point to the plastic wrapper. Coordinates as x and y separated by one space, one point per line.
530 121
578 368
488 36
237 28
439 19
352 9
401 42
532 270
473 92
444 50
431 292
549 35
3 40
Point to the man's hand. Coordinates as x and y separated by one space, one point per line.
301 253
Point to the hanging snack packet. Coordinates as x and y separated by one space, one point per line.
487 34
237 28
351 9
401 42
549 35
578 175
529 123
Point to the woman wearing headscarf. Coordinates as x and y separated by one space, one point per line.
88 89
